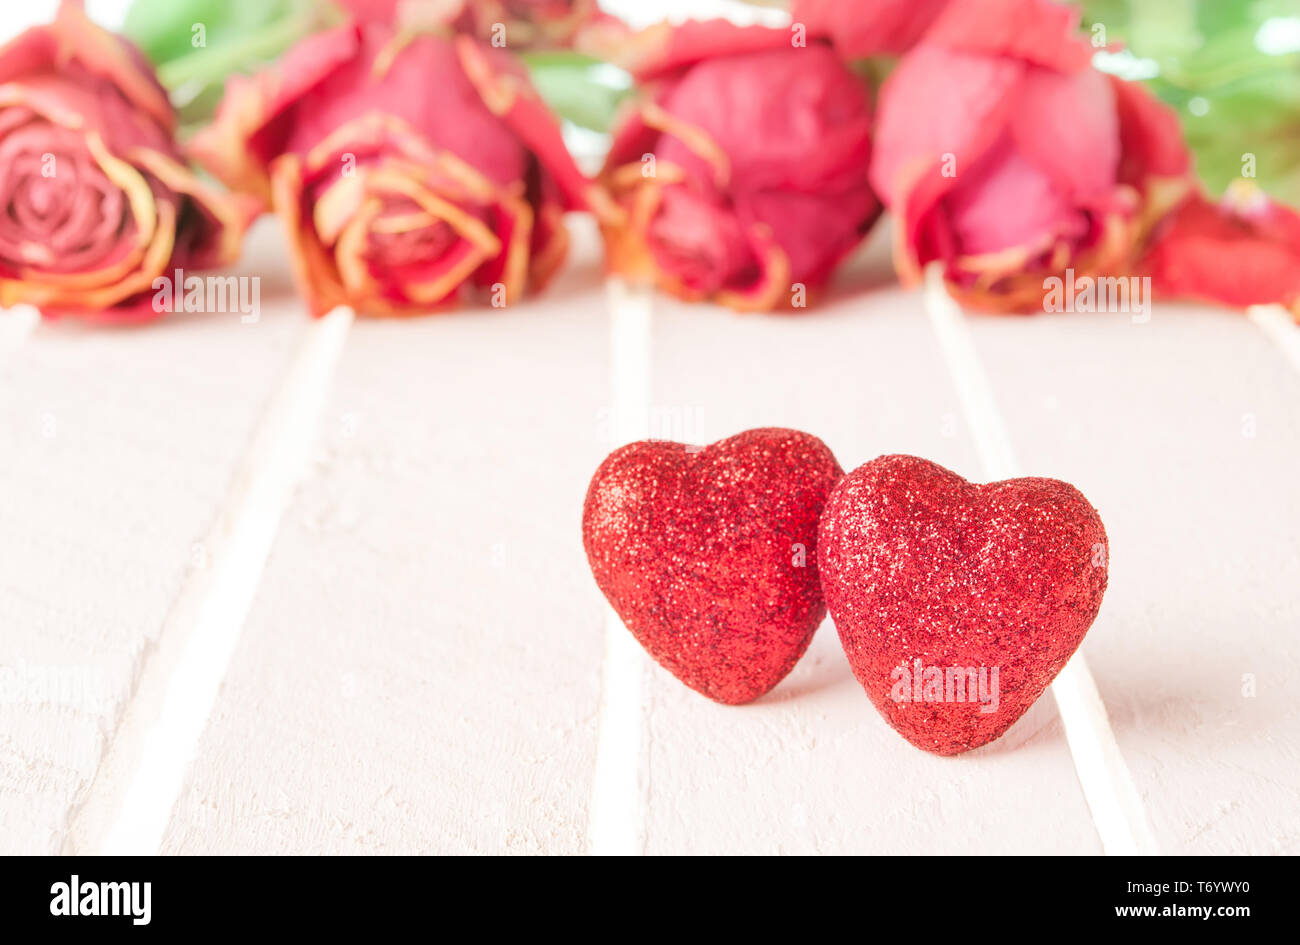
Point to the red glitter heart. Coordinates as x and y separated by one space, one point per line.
992 586
709 555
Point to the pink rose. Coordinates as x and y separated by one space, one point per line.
410 170
98 201
741 170
1007 158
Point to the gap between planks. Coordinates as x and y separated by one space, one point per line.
129 803
616 824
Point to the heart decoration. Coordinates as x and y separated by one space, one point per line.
709 554
957 603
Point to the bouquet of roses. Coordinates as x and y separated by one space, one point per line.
415 150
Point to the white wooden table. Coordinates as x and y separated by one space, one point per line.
310 587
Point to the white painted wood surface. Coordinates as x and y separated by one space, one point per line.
1183 432
118 450
421 665
421 668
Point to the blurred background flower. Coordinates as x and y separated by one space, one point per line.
408 168
742 168
1006 158
97 197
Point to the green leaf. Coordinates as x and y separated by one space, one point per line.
170 29
1233 98
584 90
198 44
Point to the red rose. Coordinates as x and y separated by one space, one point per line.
1244 250
97 199
1007 157
868 27
742 170
407 169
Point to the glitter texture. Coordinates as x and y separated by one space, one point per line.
709 554
919 564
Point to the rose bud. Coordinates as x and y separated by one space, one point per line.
408 169
1008 159
741 170
98 202
868 27
1244 250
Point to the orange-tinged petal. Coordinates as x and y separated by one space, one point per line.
350 249
403 222
466 257
314 273
233 212
506 91
108 55
548 252
337 205
697 140
467 226
774 283
222 147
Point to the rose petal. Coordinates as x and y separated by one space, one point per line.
1240 252
665 48
73 38
696 237
937 103
214 233
1151 141
861 28
1065 124
819 137
1005 201
1041 32
247 133
510 96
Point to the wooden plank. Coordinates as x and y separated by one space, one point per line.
811 767
420 670
119 446
1183 432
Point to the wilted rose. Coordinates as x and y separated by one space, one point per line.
97 199
408 169
1007 158
868 27
741 172
1243 250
